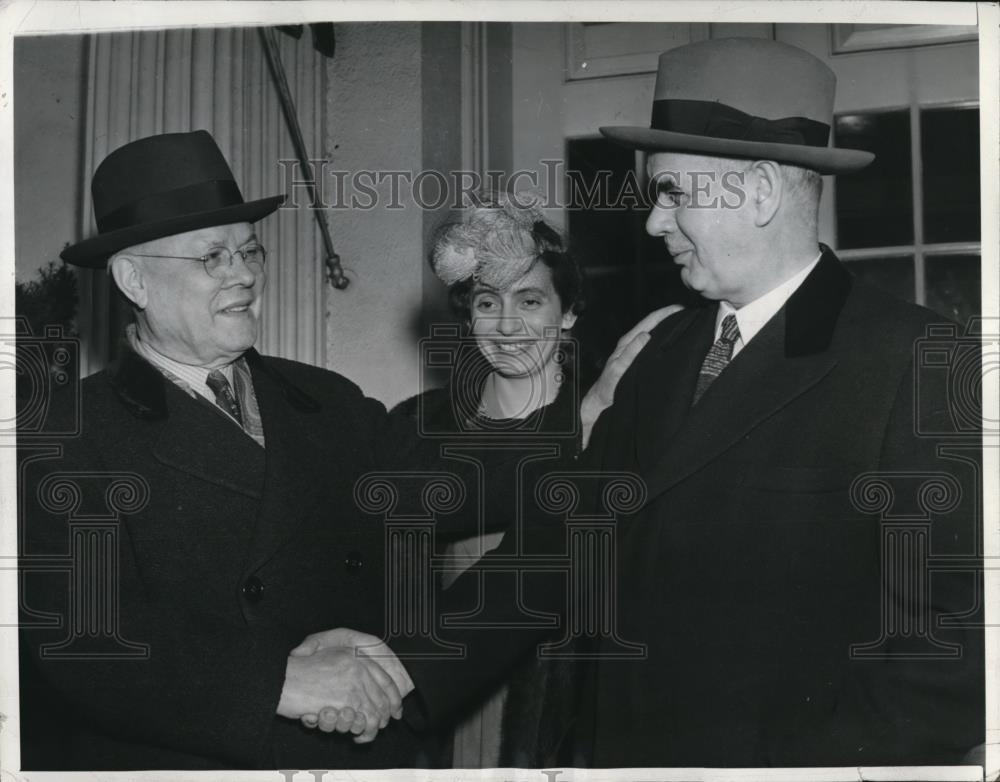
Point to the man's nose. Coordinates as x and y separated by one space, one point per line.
238 273
661 221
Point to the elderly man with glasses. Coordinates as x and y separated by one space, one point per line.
241 536
247 539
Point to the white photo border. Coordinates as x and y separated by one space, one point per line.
46 17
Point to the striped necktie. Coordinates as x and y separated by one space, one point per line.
718 356
224 394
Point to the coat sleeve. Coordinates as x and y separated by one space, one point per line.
929 690
487 649
909 679
500 638
141 669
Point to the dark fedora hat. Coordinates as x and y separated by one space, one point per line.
160 186
744 98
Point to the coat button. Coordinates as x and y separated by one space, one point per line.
253 589
353 561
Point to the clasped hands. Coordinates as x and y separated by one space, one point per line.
345 681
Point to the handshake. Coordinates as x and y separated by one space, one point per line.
345 681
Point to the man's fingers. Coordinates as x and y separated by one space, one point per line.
309 720
346 719
648 323
360 724
308 646
367 734
630 349
377 698
388 661
328 718
387 686
341 636
627 354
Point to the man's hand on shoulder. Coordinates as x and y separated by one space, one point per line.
602 393
346 681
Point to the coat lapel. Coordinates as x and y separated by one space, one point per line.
203 442
665 385
290 427
188 434
785 359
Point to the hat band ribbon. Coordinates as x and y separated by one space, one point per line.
717 120
181 202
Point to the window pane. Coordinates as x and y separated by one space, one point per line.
874 206
893 275
603 232
950 143
953 286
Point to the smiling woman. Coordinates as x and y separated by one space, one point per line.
518 293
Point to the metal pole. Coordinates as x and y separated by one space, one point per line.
333 267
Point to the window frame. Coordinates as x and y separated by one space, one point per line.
920 249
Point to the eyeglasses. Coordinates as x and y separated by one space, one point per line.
219 260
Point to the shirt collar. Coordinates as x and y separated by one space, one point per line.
752 317
189 377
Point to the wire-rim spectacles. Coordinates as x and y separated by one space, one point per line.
219 260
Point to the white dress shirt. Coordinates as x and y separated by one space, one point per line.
190 378
752 317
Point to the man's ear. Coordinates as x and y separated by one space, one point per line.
767 192
568 320
129 278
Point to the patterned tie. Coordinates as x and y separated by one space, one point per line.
224 394
718 356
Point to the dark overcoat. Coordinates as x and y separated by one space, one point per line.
227 556
540 701
774 568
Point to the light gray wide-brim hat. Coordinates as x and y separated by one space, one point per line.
744 98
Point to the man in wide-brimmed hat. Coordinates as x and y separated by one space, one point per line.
778 628
242 536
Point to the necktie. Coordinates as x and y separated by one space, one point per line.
718 356
224 394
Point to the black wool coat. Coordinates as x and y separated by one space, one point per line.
751 565
228 555
541 706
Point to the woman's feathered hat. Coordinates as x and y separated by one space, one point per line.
496 241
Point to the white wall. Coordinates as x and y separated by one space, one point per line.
392 105
374 123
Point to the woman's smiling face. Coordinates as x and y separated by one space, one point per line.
518 328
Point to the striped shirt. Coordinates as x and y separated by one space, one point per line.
192 380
